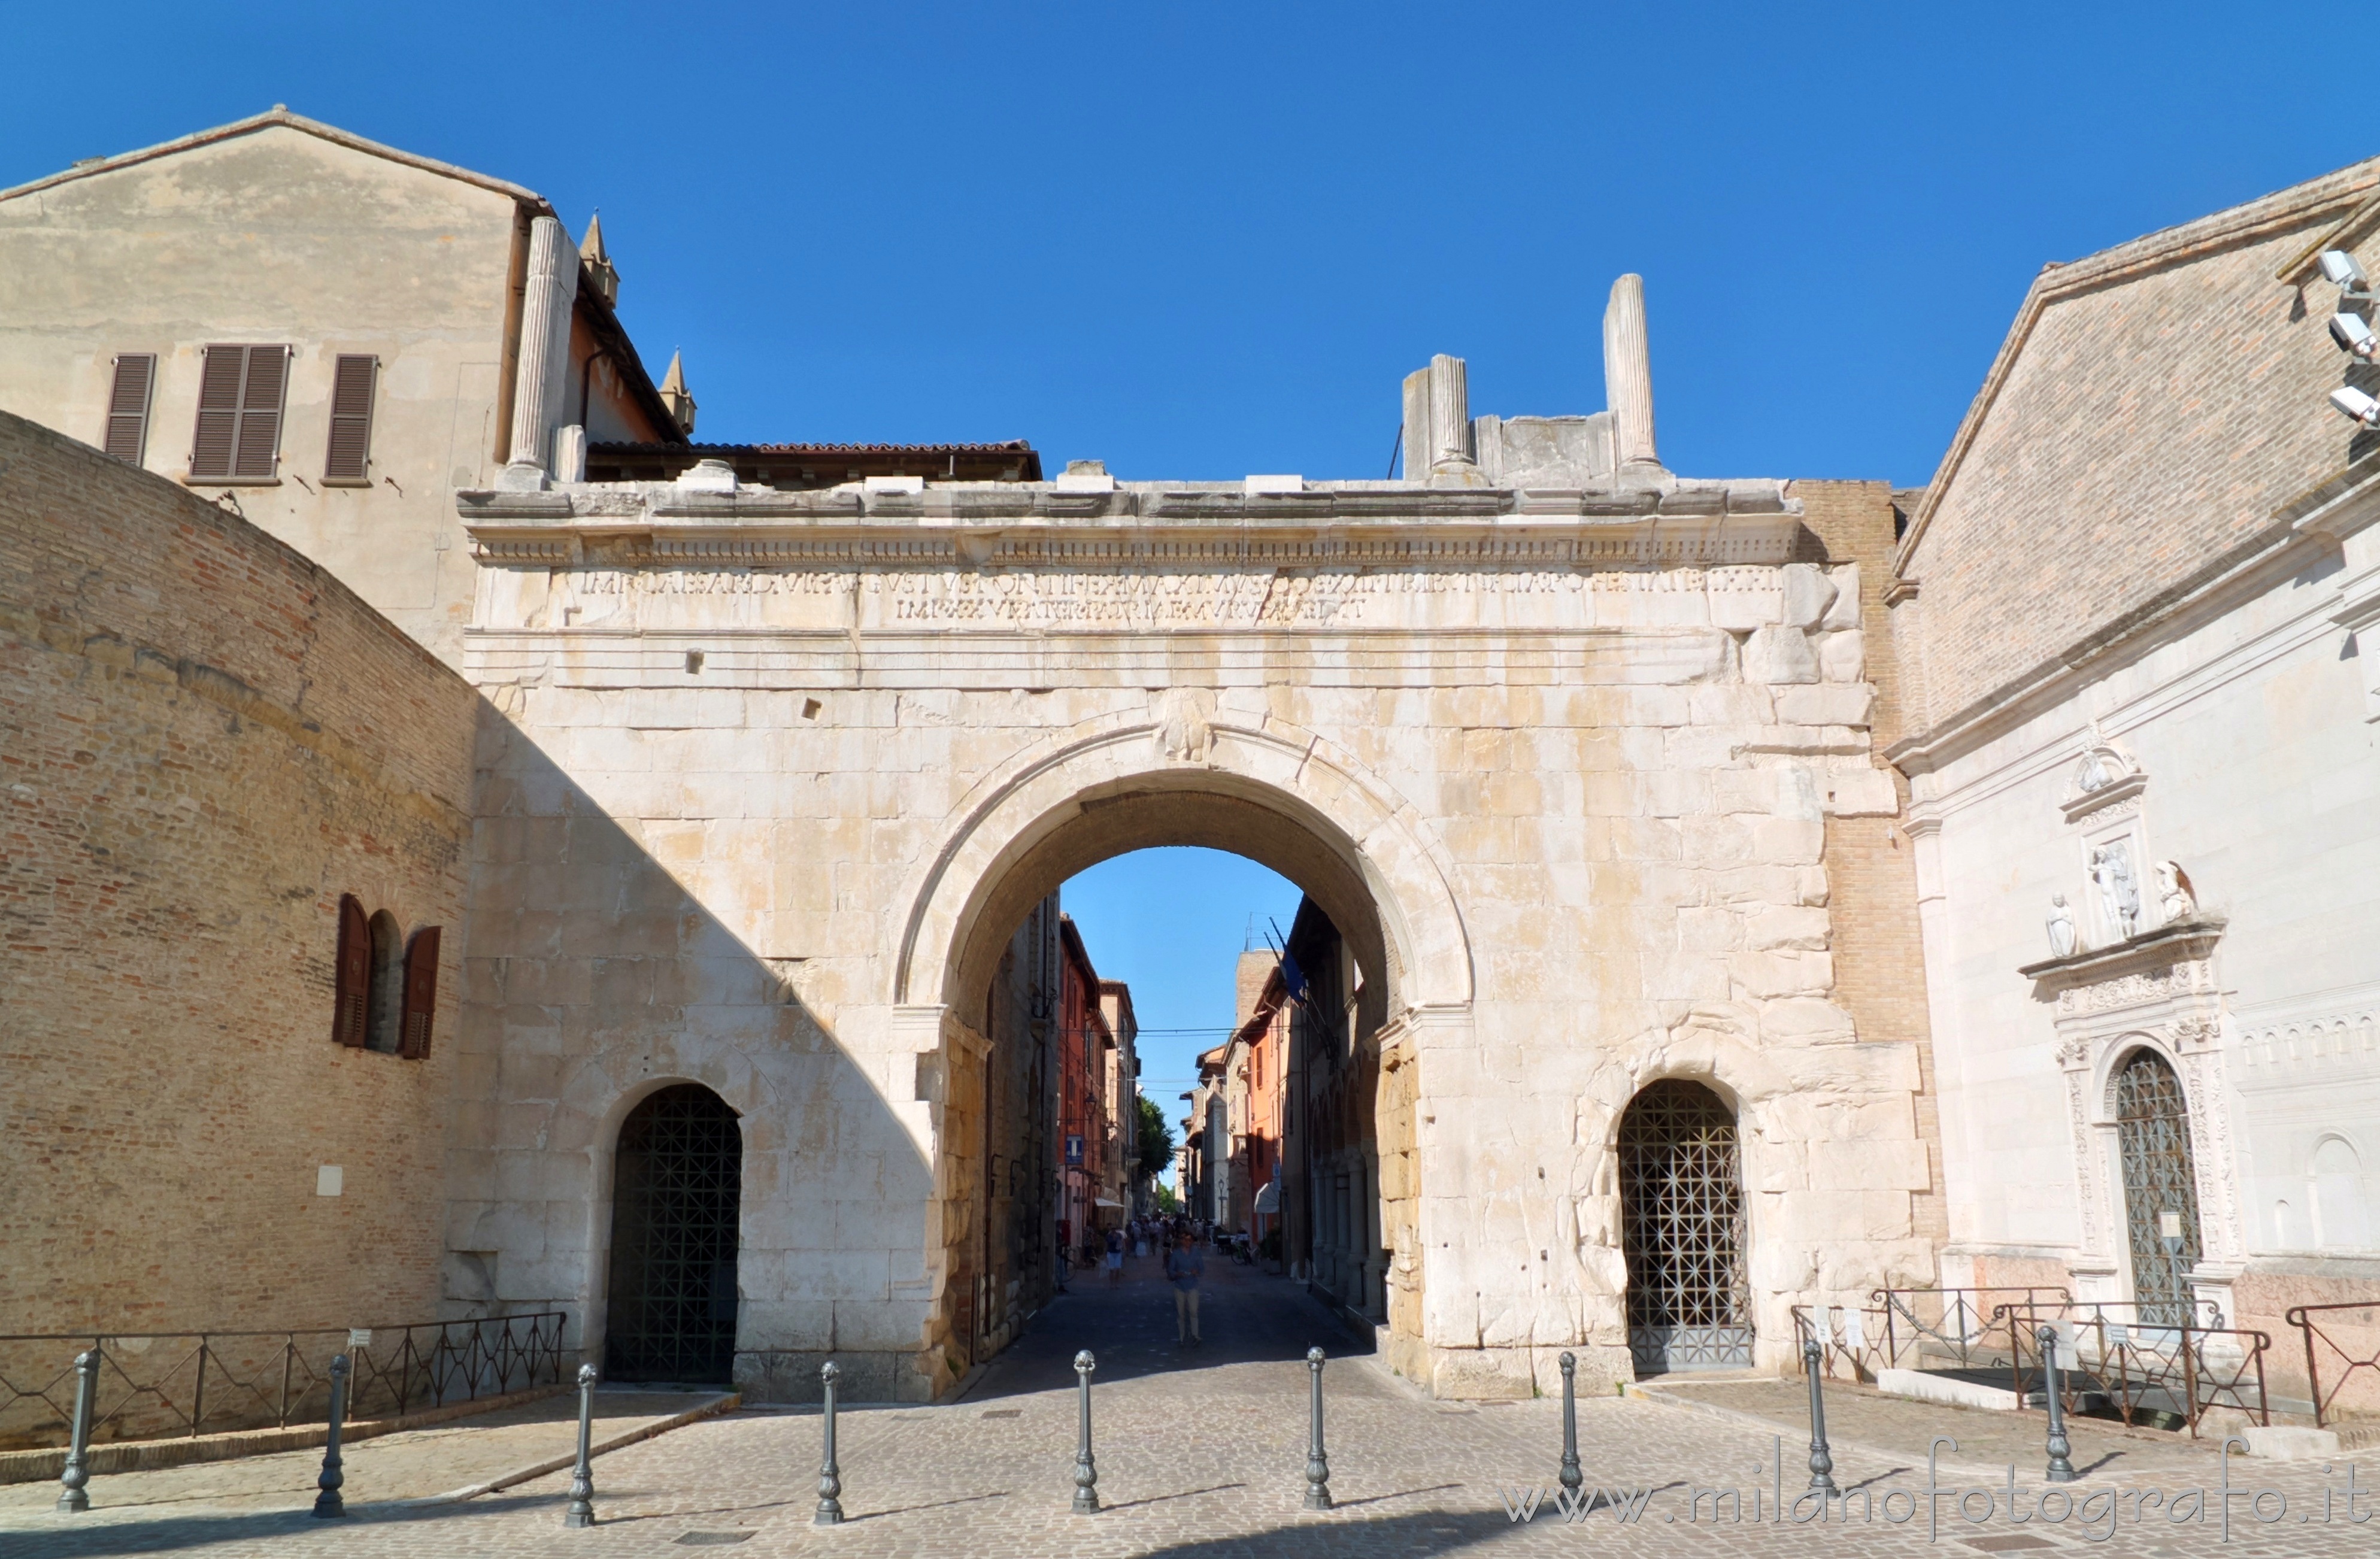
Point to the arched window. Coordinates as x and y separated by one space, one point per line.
2334 1180
385 1013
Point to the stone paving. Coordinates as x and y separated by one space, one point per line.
408 1465
1201 1455
1862 1415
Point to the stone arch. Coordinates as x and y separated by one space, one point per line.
2118 1055
1274 793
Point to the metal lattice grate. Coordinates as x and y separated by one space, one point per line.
2153 1136
675 1192
1682 1231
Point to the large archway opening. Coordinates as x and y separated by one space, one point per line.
1291 1128
676 1194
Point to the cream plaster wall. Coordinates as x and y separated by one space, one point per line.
2249 726
279 235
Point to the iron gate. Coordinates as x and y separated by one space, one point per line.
1682 1232
677 1190
2152 1138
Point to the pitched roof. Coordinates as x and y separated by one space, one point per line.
2349 196
279 115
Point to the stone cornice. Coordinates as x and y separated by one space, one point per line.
2188 941
994 525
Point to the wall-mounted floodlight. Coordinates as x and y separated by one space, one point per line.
2338 268
2353 334
2356 406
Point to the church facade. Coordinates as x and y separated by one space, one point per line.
2132 615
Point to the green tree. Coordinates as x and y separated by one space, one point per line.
1156 1139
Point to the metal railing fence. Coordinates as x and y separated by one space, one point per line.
156 1385
2144 1371
2347 1337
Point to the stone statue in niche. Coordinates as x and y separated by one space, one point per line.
2062 927
2093 775
2176 900
2119 891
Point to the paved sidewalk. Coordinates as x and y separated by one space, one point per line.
1986 1439
1201 1455
412 1464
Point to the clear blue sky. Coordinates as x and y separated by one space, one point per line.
1205 240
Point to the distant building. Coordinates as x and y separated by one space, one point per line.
1125 1183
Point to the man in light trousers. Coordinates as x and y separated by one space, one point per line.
1185 1265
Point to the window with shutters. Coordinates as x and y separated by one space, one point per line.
384 1016
420 994
352 997
349 460
241 393
128 407
386 996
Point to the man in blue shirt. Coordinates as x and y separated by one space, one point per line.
1185 1265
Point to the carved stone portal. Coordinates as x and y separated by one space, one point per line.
2156 990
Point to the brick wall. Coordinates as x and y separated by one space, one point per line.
1871 869
204 741
2155 405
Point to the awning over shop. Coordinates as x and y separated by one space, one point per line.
1269 1199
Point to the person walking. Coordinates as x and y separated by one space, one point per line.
1116 1256
1185 1265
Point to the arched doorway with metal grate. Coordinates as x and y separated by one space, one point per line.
2160 1186
1683 1231
676 1192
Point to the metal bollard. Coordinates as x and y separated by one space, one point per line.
582 1476
2061 1465
1086 1472
77 1476
1822 1461
830 1505
1572 1479
329 1502
1317 1465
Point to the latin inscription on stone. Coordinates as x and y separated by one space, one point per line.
997 600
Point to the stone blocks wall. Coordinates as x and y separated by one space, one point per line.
1576 817
204 742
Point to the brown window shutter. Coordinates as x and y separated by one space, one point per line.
350 458
420 994
219 382
354 974
128 407
260 412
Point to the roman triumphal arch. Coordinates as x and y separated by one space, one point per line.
771 778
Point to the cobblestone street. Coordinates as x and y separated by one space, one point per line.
1200 1453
